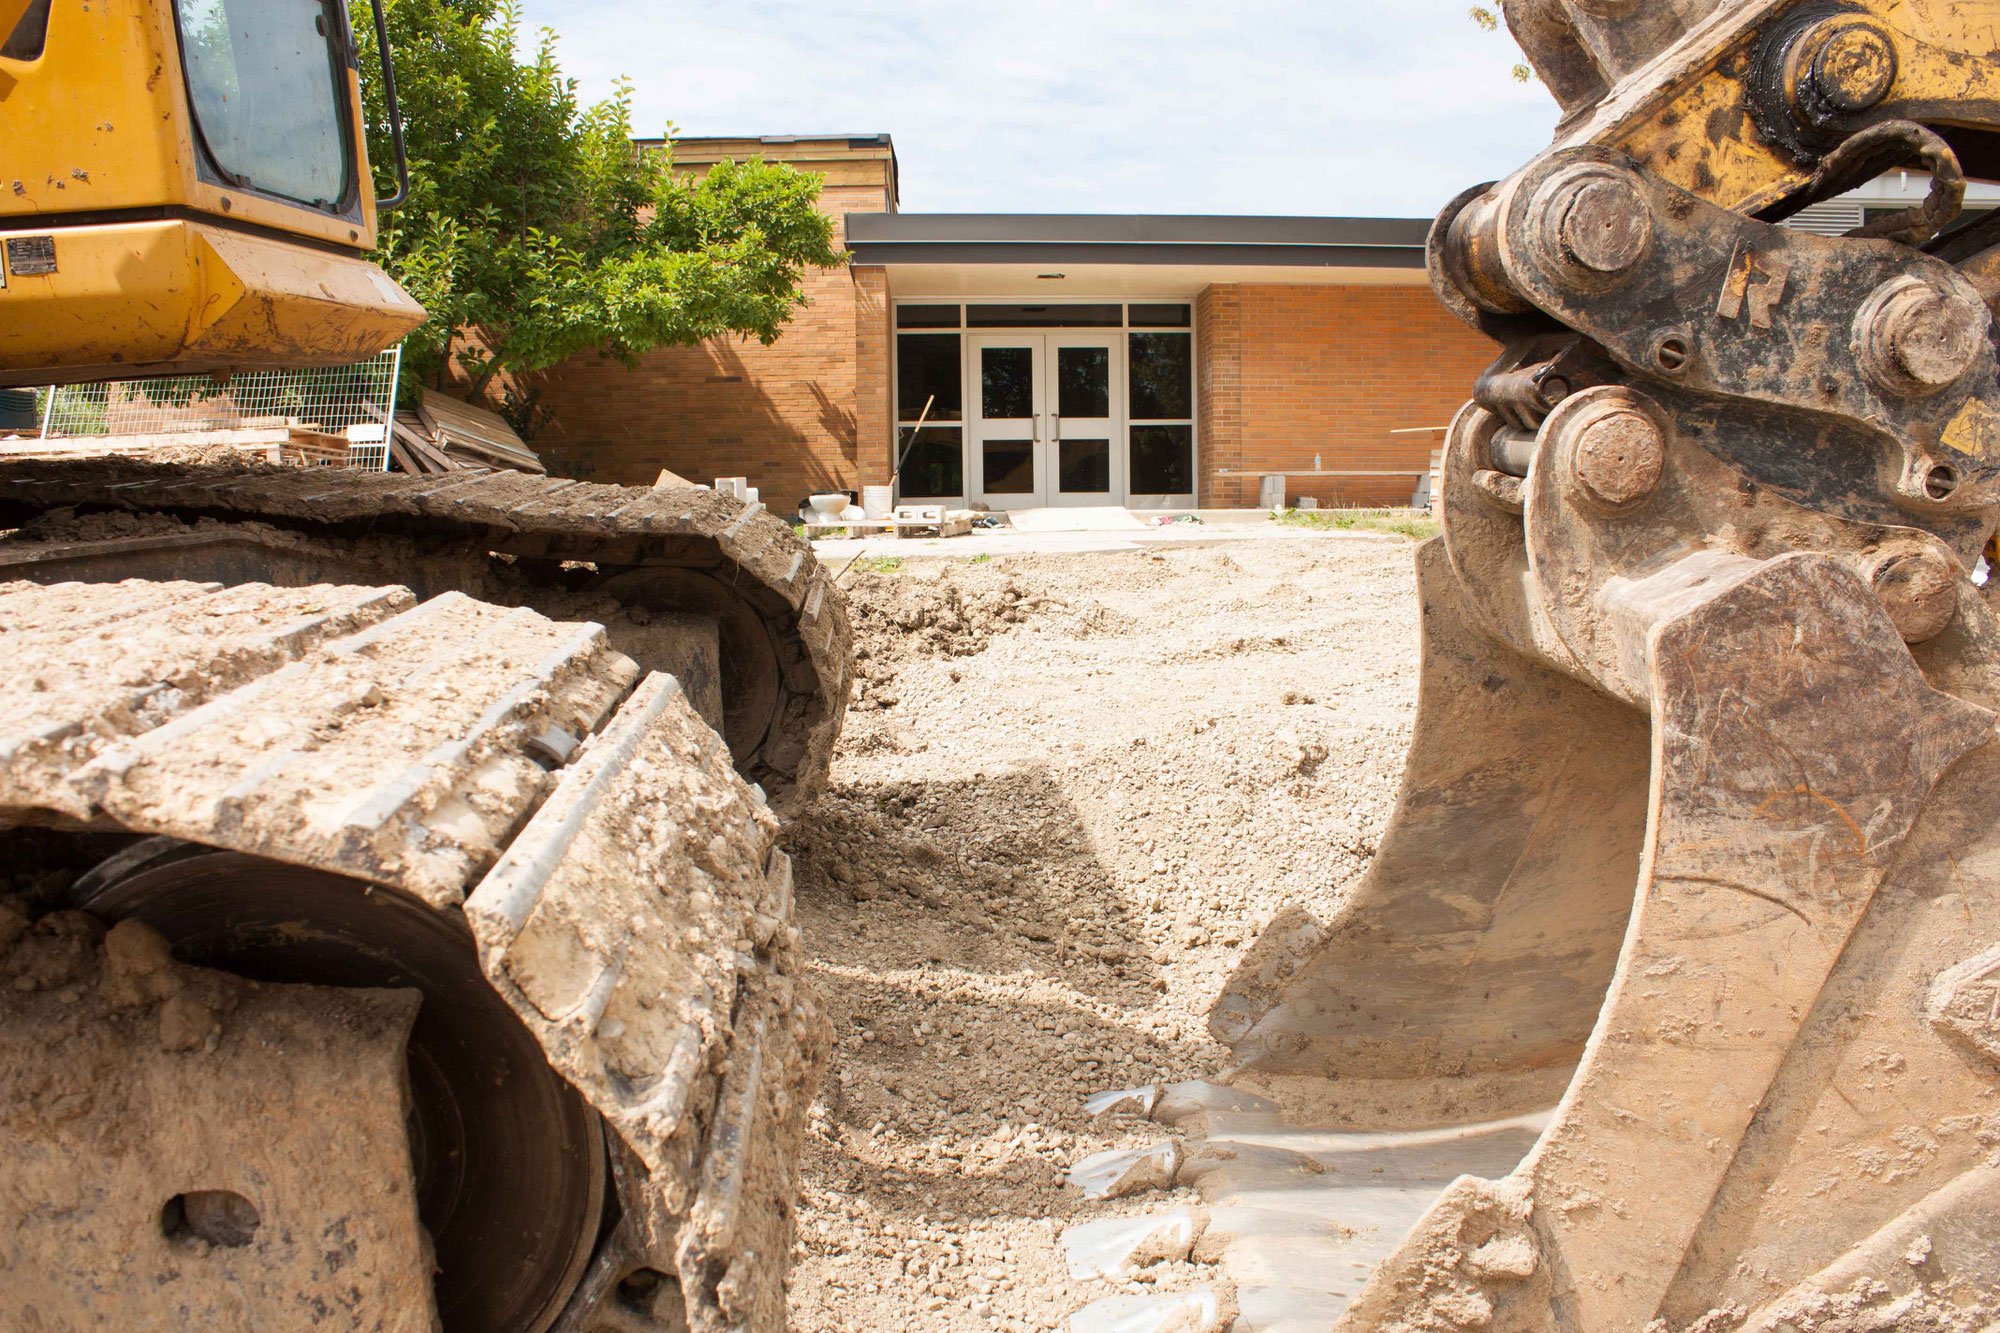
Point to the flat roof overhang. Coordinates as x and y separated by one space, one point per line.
994 254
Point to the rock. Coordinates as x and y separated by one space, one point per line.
1114 1246
1505 1256
1122 1171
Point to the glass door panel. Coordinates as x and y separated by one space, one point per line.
1006 383
1083 381
1008 466
1084 467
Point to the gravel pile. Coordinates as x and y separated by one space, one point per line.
1076 790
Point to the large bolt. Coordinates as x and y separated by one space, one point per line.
1607 226
1919 590
1913 338
1854 67
1619 457
1472 259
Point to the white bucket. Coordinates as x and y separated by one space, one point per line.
877 501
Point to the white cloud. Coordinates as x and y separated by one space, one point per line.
1091 106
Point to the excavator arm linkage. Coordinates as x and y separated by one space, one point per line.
1699 840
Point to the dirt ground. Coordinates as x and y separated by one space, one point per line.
1073 791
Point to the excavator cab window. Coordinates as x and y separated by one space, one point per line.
268 83
30 35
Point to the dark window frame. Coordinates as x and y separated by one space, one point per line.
343 56
1126 327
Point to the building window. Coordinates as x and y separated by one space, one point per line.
926 316
927 372
1160 316
1044 316
933 463
1160 391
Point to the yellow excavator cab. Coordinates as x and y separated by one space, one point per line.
195 196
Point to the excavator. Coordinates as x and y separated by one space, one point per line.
1675 982
394 933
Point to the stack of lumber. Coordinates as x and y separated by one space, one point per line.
444 434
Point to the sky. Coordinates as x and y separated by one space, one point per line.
1339 108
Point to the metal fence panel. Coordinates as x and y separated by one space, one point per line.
356 402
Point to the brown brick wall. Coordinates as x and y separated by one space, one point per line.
1218 359
1328 371
786 416
874 375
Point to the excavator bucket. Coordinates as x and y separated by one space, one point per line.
1671 1000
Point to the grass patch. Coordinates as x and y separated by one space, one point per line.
1403 522
982 557
879 564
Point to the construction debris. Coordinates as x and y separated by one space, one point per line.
475 435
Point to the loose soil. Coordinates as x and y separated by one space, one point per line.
1072 792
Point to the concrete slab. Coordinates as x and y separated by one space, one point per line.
1099 518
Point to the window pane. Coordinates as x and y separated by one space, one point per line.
1085 465
1045 316
1009 467
1083 381
934 465
1006 383
926 316
1159 316
1161 375
262 77
927 367
1162 460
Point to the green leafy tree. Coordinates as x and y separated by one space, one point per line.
1490 21
535 230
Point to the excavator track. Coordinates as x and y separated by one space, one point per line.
558 545
359 790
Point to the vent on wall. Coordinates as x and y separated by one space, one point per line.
1830 217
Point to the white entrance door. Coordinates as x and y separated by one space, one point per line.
1047 420
1085 436
1009 390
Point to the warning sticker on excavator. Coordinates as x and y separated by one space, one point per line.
1975 431
31 256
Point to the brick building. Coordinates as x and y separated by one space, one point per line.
1155 362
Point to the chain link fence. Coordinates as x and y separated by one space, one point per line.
326 416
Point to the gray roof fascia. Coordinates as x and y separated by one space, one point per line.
1258 256
1044 238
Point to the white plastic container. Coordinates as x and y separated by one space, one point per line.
877 501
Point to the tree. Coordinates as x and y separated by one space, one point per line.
535 230
1488 20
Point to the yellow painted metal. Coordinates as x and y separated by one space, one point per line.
112 129
101 123
138 298
1685 119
